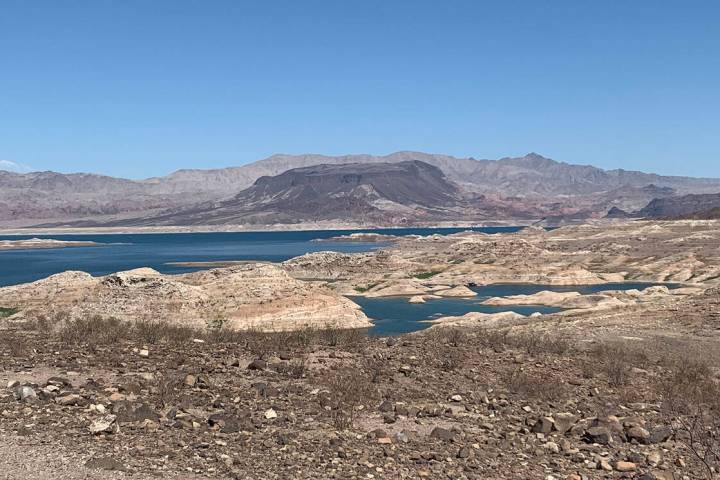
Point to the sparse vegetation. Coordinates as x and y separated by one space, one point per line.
691 402
533 386
7 311
367 287
426 275
348 389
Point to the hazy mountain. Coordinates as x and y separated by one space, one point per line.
391 193
530 175
31 198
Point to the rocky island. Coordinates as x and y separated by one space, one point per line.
35 243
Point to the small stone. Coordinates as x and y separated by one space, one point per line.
69 400
104 425
456 398
442 434
145 353
654 458
638 434
622 466
12 384
562 422
552 447
190 380
543 425
660 434
605 465
600 435
257 364
386 406
465 452
25 393
384 440
117 397
270 414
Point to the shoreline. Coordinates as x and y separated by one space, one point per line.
300 227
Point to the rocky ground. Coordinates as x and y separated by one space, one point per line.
443 403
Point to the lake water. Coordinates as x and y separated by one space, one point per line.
395 315
127 251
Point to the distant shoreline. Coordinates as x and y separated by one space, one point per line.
248 228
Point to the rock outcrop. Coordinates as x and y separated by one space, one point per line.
251 296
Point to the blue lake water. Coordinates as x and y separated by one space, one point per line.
127 251
395 315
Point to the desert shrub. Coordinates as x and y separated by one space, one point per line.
93 330
375 367
348 388
615 361
451 336
224 334
13 344
169 390
149 331
425 275
367 287
450 359
296 368
540 387
496 340
40 323
534 344
335 337
7 311
691 403
263 344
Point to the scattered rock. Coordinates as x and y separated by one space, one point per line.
257 364
443 434
25 393
622 466
270 414
103 425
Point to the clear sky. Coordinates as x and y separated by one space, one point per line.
139 88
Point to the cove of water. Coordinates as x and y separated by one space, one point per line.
158 250
395 315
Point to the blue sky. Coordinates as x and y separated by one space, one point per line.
140 88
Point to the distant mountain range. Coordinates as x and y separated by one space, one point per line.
398 188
